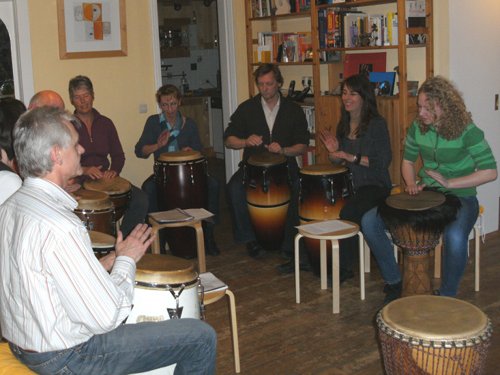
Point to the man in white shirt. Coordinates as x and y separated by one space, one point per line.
60 310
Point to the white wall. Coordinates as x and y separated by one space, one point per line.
474 56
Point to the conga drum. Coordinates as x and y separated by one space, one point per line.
416 223
166 287
181 182
324 190
433 335
118 190
268 197
96 211
102 243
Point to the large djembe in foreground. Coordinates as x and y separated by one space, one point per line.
416 223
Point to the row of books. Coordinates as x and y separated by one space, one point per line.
283 47
266 8
347 29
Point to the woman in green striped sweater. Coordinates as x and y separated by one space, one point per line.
456 159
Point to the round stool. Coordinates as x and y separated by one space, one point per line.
330 230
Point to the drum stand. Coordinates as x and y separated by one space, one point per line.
334 237
195 224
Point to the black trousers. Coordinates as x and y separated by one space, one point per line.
365 198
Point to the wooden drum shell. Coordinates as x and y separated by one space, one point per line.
181 182
268 194
324 190
96 211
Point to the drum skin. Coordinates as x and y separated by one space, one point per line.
433 335
181 182
268 197
96 211
324 190
102 243
118 190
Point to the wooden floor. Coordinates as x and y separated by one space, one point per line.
278 336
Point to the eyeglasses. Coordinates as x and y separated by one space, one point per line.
169 104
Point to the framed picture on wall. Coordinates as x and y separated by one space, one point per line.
383 82
91 29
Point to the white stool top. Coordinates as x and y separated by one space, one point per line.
329 229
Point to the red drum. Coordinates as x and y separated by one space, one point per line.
268 197
324 190
96 211
181 182
118 190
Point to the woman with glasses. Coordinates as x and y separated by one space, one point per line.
170 131
456 159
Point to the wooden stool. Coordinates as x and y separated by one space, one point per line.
334 237
195 223
9 365
215 295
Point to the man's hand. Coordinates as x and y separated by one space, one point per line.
108 260
253 141
136 243
274 148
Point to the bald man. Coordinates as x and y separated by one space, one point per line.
46 98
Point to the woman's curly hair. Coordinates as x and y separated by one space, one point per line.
454 117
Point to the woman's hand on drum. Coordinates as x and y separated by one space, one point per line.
329 140
93 172
109 174
108 260
414 189
136 243
438 177
253 141
187 149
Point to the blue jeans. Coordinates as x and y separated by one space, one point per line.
455 237
132 348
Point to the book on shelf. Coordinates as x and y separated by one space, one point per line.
392 29
415 17
281 7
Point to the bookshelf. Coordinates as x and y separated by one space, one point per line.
398 109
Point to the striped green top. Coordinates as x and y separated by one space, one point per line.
455 158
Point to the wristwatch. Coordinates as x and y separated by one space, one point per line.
357 159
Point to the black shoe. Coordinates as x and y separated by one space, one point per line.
436 292
211 248
392 292
289 267
254 249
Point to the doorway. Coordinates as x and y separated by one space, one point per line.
222 35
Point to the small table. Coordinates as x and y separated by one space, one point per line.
195 223
334 236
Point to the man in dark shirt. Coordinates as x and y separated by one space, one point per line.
273 123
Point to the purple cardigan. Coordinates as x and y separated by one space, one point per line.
104 142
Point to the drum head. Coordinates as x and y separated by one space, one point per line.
92 200
422 201
266 159
322 169
165 269
101 240
178 156
112 186
435 318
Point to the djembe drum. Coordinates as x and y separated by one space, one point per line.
96 211
118 190
416 223
268 197
324 190
102 243
181 182
433 335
